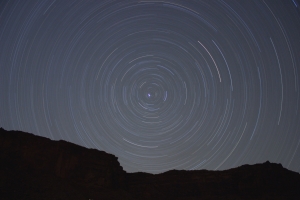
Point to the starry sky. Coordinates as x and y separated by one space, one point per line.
175 84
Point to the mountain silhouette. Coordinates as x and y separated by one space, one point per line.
34 167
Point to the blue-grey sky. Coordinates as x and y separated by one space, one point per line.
175 84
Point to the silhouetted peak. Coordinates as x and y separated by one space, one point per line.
34 167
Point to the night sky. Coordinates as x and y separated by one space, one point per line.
175 84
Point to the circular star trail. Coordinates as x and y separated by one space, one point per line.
160 84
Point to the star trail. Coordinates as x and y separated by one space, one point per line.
198 84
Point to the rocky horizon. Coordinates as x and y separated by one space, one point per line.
35 167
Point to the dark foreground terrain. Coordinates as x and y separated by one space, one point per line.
33 167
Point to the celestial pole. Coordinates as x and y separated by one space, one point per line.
198 84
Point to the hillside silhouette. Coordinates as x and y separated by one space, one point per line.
34 167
